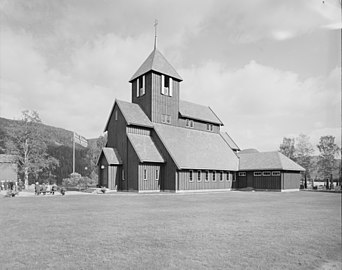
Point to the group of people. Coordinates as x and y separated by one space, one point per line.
44 189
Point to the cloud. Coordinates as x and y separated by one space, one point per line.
259 104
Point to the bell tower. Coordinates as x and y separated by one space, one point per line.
155 88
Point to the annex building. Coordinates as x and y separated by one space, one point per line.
158 142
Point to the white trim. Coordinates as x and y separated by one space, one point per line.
157 175
202 190
162 84
254 174
206 179
199 173
149 191
276 173
191 176
145 175
170 87
137 87
214 176
242 173
290 190
266 173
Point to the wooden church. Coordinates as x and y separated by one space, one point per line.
158 142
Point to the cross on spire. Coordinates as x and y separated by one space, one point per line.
155 33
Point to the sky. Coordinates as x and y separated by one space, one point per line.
268 68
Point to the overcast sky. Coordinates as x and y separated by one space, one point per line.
267 68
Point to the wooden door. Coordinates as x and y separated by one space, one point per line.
249 179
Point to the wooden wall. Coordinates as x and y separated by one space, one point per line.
131 177
153 103
286 180
184 182
290 180
198 125
117 139
150 184
169 169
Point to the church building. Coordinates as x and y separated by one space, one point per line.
158 142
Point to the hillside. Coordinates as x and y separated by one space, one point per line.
59 144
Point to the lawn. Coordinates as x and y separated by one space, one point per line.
227 230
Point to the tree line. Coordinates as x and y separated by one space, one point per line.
44 156
302 151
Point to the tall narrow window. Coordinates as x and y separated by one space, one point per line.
166 85
157 175
145 174
116 114
141 85
123 174
206 176
199 176
209 127
221 176
190 176
214 176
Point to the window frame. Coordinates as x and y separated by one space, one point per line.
242 174
221 176
257 174
123 175
145 175
191 176
214 176
157 175
206 179
276 173
199 176
266 173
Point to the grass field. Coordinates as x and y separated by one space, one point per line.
228 230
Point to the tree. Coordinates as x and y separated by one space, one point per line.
26 142
326 160
288 147
303 154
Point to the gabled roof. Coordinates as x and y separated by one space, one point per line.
132 113
112 156
156 62
230 141
267 161
195 149
145 148
198 112
8 158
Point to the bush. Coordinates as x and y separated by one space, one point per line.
76 180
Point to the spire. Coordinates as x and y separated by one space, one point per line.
155 33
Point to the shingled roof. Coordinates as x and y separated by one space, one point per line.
112 156
267 161
145 148
230 141
132 113
198 112
156 62
195 149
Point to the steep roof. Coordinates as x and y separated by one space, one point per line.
145 148
132 113
195 149
198 112
249 151
112 156
267 161
156 62
230 141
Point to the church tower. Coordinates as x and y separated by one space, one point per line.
155 88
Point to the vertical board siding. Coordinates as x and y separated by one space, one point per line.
113 177
132 175
138 130
150 183
186 184
169 169
291 180
145 100
162 104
